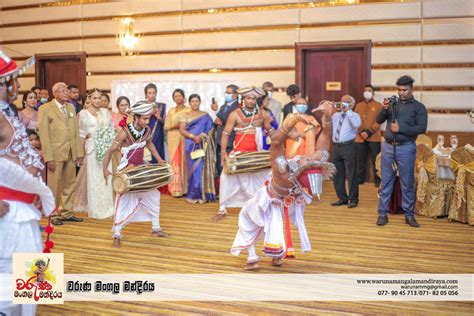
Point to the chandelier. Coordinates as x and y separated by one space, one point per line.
126 37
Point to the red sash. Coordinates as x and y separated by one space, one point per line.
7 194
245 142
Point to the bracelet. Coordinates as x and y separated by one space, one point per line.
225 133
191 136
271 130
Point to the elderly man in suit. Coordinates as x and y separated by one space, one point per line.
62 150
231 103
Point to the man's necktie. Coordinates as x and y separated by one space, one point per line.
339 126
63 109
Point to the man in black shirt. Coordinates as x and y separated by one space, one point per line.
406 119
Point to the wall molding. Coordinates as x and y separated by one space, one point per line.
238 29
263 48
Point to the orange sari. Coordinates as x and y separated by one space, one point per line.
178 187
302 146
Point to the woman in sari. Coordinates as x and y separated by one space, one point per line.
178 186
123 103
197 127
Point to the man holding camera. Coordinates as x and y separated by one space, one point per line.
406 119
344 129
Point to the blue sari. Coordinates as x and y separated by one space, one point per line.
158 135
201 171
274 124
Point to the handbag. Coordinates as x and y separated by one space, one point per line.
197 153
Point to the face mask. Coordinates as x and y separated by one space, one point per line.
301 108
43 100
270 94
228 98
368 95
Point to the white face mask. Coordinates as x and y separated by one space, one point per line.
368 95
270 94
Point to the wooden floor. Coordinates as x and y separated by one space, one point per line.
344 241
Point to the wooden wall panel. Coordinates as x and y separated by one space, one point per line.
363 12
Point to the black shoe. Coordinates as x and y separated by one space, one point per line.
410 220
73 219
57 222
340 202
352 204
382 220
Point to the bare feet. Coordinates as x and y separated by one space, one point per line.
191 201
116 243
277 262
251 266
218 217
160 234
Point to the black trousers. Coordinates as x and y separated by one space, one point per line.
344 158
362 150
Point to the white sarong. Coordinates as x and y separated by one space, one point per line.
236 189
19 228
263 215
137 207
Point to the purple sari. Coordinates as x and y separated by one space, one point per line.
201 171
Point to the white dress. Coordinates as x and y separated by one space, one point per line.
100 200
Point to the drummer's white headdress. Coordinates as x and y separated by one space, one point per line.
253 91
141 108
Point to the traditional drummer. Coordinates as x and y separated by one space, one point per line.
135 206
249 124
293 184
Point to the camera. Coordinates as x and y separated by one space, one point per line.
393 100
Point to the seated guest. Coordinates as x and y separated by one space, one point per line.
368 136
345 124
301 140
196 127
29 116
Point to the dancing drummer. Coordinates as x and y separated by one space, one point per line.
293 184
135 206
249 124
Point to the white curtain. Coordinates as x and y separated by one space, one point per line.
134 90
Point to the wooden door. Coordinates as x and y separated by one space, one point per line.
329 70
69 68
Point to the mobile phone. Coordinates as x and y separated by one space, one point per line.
213 100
